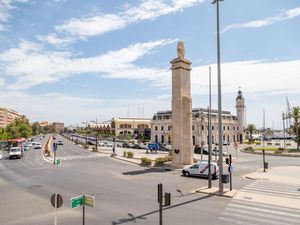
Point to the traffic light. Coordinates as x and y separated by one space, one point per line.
167 199
227 161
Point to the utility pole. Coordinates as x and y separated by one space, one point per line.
283 118
209 133
221 187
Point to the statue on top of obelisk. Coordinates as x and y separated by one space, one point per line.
180 50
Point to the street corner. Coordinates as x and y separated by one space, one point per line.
215 192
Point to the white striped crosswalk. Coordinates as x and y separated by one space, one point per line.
75 157
244 212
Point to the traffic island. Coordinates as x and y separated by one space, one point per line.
215 192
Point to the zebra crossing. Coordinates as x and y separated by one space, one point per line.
74 157
263 212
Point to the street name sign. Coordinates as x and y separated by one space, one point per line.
89 201
77 201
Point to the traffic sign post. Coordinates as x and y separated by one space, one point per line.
56 201
82 200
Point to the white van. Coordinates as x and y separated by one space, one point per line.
201 169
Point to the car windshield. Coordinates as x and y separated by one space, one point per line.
15 150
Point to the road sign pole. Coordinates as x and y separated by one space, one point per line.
83 212
55 208
160 201
230 172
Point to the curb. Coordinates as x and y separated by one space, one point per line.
225 194
270 154
125 160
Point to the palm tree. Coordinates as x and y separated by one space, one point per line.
295 128
250 129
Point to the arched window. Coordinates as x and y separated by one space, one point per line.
194 141
162 139
156 139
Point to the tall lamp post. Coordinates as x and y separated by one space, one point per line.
96 129
86 137
209 132
221 187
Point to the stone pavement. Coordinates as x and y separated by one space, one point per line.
279 186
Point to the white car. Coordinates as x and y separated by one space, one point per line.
15 152
1 155
201 169
38 145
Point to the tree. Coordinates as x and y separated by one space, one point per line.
250 129
295 128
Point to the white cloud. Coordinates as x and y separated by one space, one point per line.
6 6
258 76
99 24
54 40
30 64
44 107
285 15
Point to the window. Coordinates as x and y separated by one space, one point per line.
155 127
196 166
237 128
169 127
193 127
162 139
212 127
202 127
162 128
223 127
228 128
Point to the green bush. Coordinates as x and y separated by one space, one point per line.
168 158
124 154
160 161
280 149
130 154
146 161
277 152
85 146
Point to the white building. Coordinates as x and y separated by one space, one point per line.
233 126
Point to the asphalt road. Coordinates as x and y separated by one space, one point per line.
124 193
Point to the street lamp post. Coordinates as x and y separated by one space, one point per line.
96 130
86 137
221 187
209 132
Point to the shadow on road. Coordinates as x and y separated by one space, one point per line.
150 170
143 216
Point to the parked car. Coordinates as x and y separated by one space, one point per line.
38 145
197 150
26 147
216 152
200 169
127 145
15 152
60 142
137 146
1 155
165 147
153 146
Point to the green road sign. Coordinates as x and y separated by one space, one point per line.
76 201
89 201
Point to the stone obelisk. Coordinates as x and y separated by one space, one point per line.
182 153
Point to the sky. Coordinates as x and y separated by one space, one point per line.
75 61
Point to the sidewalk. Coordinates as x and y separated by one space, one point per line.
286 174
278 186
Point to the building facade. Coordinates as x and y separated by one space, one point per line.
7 116
57 127
233 126
122 126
